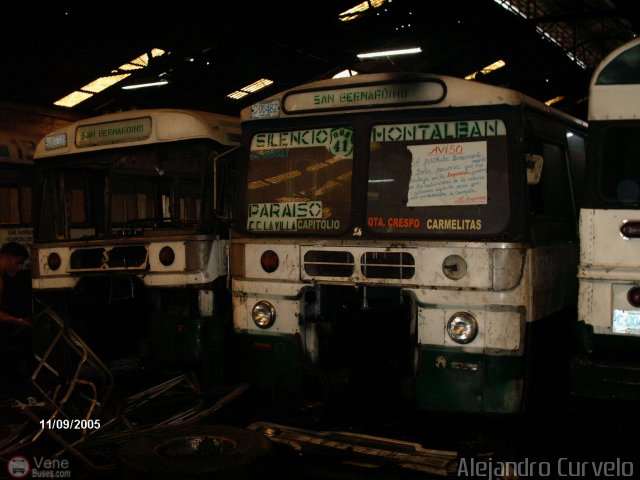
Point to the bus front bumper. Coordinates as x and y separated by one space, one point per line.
596 377
450 380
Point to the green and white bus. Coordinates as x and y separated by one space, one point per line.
608 365
131 241
407 237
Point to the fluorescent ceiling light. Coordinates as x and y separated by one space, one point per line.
237 95
142 61
102 83
73 99
557 99
389 53
345 73
159 83
258 85
488 69
356 12
251 88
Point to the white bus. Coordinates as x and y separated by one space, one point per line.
406 237
608 364
16 183
131 241
21 127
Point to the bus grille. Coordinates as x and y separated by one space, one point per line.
328 263
397 265
114 258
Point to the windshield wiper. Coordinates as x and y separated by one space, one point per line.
137 226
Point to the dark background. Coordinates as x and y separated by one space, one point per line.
48 52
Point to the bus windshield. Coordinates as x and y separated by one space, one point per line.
424 179
123 192
619 179
432 177
300 181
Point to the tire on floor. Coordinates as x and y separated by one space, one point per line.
194 452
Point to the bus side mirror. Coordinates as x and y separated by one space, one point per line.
534 168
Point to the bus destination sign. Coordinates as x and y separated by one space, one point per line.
113 132
425 92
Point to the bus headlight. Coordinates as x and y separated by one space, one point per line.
263 314
462 327
167 256
54 261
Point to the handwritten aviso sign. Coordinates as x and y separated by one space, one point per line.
448 174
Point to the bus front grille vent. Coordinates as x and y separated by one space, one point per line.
125 257
323 263
393 265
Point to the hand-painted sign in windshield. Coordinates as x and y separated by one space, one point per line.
448 174
284 216
437 130
444 174
300 180
338 141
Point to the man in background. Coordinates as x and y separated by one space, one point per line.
12 258
16 342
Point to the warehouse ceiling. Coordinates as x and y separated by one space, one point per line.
550 48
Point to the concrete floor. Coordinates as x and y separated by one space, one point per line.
579 439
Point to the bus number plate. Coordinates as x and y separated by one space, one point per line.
265 110
626 321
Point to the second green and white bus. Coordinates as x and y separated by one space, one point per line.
407 237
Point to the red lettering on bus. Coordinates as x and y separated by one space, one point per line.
396 222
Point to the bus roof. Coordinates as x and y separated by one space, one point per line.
138 127
16 149
385 91
614 92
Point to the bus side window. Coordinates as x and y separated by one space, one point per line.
190 199
9 212
26 195
50 225
9 204
550 200
619 180
75 192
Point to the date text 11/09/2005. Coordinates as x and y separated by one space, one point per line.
69 424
